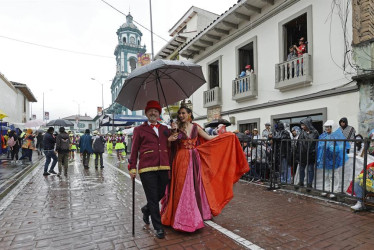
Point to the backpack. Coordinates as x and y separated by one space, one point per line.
64 144
11 142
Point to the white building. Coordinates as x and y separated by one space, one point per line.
15 99
258 33
81 123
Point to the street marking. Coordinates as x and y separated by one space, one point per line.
239 240
17 189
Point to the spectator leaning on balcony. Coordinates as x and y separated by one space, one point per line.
248 70
307 151
299 52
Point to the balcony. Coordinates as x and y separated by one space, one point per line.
244 88
294 73
212 97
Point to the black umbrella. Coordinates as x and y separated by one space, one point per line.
215 123
162 80
60 122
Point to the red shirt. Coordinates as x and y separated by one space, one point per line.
302 49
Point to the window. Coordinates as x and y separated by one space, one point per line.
132 40
293 119
293 31
138 41
124 40
246 57
132 63
90 126
249 124
214 74
24 104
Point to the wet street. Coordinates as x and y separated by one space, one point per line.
91 209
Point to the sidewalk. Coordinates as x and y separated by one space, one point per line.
91 209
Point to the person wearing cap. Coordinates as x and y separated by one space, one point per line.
300 50
266 131
255 135
248 70
150 145
330 157
85 145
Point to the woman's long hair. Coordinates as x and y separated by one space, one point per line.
181 125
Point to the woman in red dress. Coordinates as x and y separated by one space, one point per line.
203 172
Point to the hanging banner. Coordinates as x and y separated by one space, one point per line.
46 116
143 59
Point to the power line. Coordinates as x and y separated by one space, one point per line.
134 20
50 47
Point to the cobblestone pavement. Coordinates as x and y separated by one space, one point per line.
91 209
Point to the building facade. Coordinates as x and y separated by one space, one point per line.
81 123
126 53
15 101
277 88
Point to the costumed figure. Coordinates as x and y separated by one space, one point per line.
330 156
109 145
359 186
203 173
150 146
73 146
120 147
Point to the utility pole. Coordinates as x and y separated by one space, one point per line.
150 12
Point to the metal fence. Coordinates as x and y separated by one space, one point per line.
327 166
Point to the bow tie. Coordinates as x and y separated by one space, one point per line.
155 125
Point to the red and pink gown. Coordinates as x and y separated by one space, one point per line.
202 177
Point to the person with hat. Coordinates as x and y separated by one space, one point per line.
255 135
248 70
266 131
348 131
150 144
85 145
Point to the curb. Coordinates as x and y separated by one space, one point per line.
9 185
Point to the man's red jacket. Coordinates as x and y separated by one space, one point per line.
152 150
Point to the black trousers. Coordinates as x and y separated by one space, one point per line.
154 184
86 159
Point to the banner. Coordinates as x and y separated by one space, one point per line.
46 116
34 117
99 110
143 59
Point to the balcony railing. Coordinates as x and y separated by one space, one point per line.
212 97
294 73
244 88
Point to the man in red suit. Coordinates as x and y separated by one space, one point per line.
150 144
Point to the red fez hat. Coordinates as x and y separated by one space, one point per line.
153 105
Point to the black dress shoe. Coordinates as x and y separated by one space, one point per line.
146 214
52 172
160 233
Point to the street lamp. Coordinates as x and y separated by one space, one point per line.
102 93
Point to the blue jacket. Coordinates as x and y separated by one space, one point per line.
85 143
49 141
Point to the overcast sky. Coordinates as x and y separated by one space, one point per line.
87 26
